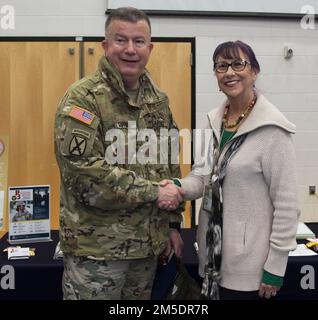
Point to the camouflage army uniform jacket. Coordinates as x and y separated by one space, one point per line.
109 211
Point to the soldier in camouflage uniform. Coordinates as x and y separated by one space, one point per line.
111 229
22 213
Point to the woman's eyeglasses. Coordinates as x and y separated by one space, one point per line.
236 65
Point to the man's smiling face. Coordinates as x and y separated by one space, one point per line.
127 46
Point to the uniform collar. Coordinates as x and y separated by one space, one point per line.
148 92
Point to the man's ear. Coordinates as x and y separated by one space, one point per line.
104 44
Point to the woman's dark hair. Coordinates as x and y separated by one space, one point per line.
231 50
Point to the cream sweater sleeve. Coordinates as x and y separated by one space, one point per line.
279 168
194 182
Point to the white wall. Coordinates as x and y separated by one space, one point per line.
292 6
290 84
57 17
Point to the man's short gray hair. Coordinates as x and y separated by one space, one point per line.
128 14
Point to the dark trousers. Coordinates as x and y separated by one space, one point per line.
227 294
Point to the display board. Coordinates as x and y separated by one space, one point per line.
29 214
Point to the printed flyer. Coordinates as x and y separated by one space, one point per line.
29 214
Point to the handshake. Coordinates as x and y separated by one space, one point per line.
170 195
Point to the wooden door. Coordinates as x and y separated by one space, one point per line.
170 67
34 77
92 53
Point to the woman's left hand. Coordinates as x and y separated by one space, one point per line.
267 291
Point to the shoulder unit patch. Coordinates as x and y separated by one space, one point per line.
77 146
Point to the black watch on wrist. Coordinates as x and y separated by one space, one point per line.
175 225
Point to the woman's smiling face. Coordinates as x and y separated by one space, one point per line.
235 83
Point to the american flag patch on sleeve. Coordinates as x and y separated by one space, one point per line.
81 115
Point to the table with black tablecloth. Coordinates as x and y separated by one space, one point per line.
39 278
291 288
36 278
296 271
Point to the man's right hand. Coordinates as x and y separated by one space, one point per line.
170 196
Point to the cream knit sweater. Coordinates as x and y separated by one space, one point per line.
260 198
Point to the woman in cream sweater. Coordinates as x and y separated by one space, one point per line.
249 213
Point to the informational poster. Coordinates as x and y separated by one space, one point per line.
4 151
29 214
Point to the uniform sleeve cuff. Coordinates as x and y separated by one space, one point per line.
152 192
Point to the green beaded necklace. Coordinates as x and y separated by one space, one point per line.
228 135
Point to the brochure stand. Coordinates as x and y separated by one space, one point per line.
29 214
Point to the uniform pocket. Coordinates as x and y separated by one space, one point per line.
155 119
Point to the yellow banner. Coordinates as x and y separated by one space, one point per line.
4 159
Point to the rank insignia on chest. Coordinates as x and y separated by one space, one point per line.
81 115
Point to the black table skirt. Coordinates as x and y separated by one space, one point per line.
39 278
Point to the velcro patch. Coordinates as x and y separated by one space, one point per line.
77 146
81 114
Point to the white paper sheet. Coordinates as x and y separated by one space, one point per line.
303 232
302 250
